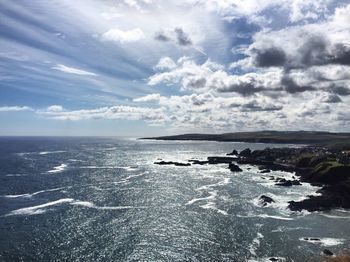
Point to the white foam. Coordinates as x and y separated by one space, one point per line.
212 206
285 229
326 241
211 196
98 167
265 259
92 205
58 169
274 217
39 209
334 216
50 152
255 244
16 175
133 176
29 195
126 168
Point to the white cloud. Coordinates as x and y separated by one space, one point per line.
120 36
165 63
149 115
211 76
55 108
15 108
148 98
72 70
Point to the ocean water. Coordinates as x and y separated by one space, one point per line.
103 199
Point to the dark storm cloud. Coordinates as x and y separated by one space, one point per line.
269 57
254 106
339 90
312 52
181 37
292 87
315 51
161 36
333 98
341 55
178 35
244 88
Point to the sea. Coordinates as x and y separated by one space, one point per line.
104 199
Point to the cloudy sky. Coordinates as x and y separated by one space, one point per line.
155 67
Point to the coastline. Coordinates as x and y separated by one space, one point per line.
328 168
332 141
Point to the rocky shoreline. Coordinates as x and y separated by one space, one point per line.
330 170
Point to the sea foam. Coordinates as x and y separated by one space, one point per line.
29 195
39 209
58 169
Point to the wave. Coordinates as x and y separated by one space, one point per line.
212 195
285 229
16 175
40 153
126 180
127 168
92 205
58 169
29 195
335 216
43 208
39 209
97 167
212 206
274 217
51 152
326 241
255 244
266 259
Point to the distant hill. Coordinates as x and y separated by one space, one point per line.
327 139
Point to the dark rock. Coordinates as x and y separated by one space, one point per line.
171 163
234 168
246 152
314 239
327 252
274 259
289 183
332 196
286 183
266 200
198 162
282 180
296 183
233 153
272 178
221 159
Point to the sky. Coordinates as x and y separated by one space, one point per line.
153 67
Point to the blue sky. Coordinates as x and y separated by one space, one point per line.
151 67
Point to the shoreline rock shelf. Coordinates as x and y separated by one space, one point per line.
315 165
